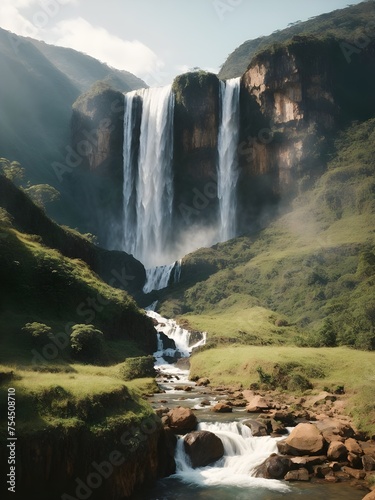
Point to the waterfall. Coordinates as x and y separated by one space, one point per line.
148 180
227 157
130 171
159 277
242 453
177 271
181 336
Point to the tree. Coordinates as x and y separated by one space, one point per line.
12 170
42 194
87 343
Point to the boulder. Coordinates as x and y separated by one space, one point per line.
334 429
337 451
248 395
353 447
297 475
305 439
203 448
309 462
368 448
257 404
354 461
222 408
274 467
368 463
182 420
357 474
167 342
369 496
257 428
203 381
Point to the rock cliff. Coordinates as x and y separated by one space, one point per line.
96 177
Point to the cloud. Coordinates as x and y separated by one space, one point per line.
35 23
133 56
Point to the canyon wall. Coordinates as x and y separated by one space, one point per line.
295 98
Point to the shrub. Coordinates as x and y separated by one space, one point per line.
39 333
87 344
140 367
298 382
327 336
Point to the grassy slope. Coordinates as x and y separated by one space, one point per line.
72 395
312 262
345 24
315 262
326 368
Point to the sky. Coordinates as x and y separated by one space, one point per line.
156 39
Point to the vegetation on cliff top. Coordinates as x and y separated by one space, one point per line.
346 24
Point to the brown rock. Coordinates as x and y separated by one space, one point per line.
257 428
305 439
248 395
297 475
369 496
357 474
238 403
203 381
182 420
331 478
334 429
368 463
222 408
337 451
354 461
309 461
203 448
274 467
257 404
368 448
353 447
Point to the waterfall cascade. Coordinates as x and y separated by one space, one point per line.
242 453
228 157
148 179
181 337
159 277
148 175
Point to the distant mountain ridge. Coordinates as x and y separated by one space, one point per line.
38 86
347 24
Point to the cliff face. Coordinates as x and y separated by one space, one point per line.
76 463
97 139
295 98
196 123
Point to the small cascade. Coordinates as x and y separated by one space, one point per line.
228 156
157 278
160 277
181 337
177 271
242 454
148 179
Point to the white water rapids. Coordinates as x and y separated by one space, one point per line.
242 453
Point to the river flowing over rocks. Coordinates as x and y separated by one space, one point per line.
226 441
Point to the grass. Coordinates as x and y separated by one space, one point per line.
74 395
324 367
306 267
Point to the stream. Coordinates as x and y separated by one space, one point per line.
229 477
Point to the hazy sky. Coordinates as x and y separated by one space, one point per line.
156 39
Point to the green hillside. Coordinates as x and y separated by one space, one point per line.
349 25
48 276
313 268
